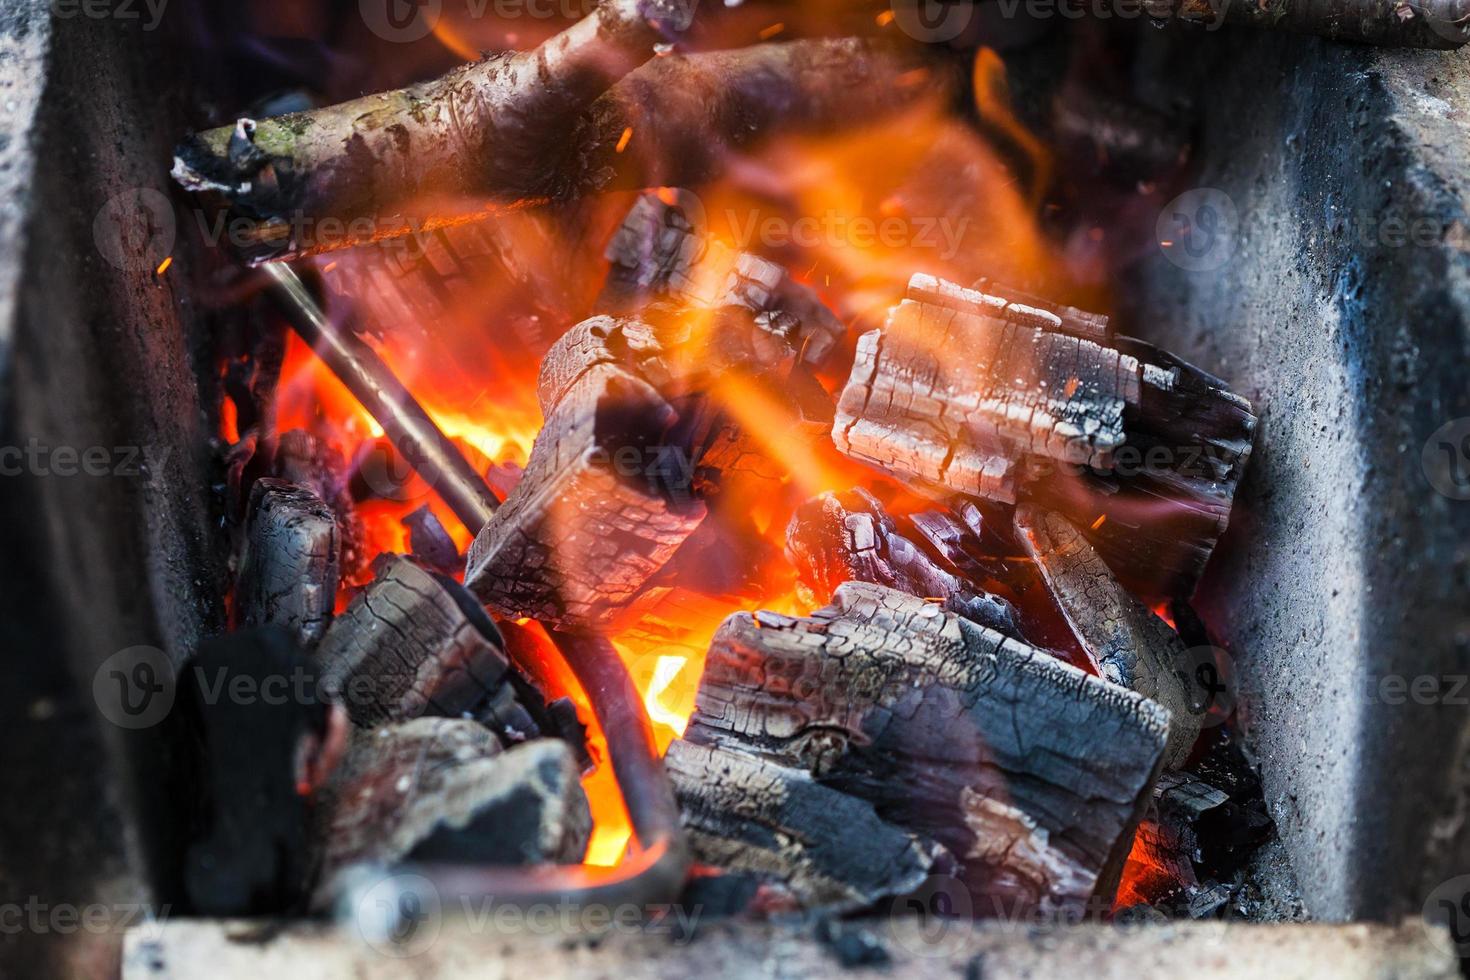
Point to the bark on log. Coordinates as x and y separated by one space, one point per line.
1127 643
529 127
830 849
850 537
289 566
443 789
1025 412
660 254
407 646
1031 773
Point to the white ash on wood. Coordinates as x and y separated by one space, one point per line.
965 392
1031 773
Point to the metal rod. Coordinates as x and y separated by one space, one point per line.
415 435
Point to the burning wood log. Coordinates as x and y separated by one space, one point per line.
530 127
1031 412
598 511
413 643
289 566
443 789
1031 773
1126 641
659 254
849 537
830 849
636 432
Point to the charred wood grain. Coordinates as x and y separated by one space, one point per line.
1031 773
1128 643
409 645
290 563
850 537
659 254
597 512
748 815
1126 433
443 789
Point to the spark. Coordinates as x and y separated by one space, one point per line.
163 266
625 139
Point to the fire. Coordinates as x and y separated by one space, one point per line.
476 375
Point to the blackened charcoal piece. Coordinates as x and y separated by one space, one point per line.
749 815
413 643
659 255
431 544
1030 772
441 789
247 853
850 537
289 566
1128 643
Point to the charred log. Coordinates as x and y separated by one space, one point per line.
414 644
637 434
849 537
1128 644
289 566
659 255
430 544
598 511
1153 445
1031 773
831 850
442 789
